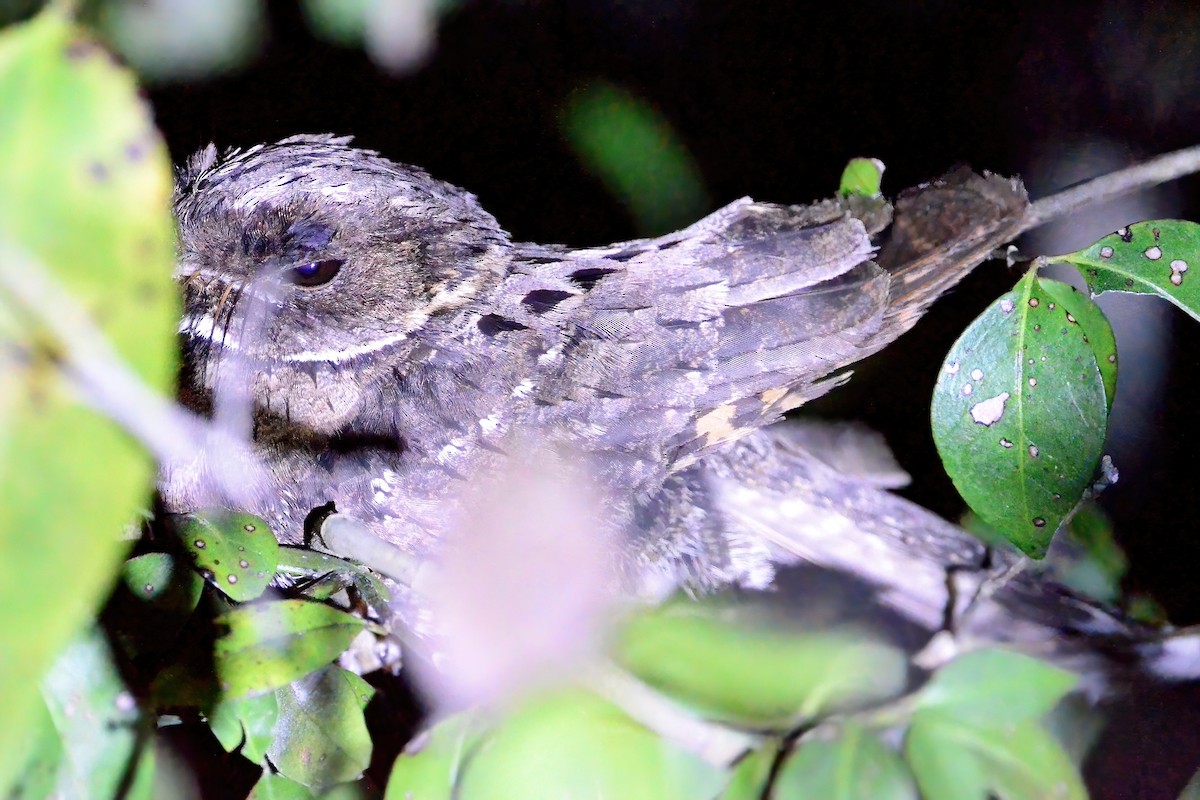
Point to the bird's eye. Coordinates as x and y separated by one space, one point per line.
315 273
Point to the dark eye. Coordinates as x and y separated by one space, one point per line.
315 273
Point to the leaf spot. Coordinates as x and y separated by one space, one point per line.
200 544
1153 253
952 368
232 579
976 374
1033 302
1032 382
1178 267
1038 522
988 412
967 389
1006 306
1033 451
1005 443
1125 234
1106 252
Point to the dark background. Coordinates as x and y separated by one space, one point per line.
771 99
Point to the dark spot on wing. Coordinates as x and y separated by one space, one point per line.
587 277
539 301
492 324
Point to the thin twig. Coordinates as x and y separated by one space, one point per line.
1140 176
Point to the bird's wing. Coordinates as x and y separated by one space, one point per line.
668 348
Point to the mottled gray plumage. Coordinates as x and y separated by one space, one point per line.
652 366
402 376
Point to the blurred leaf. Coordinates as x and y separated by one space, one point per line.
87 184
996 687
148 610
321 737
851 766
248 723
98 723
1095 563
338 21
1019 461
574 746
955 760
862 176
431 763
182 39
234 552
276 787
752 675
270 645
635 152
1192 790
1152 257
752 773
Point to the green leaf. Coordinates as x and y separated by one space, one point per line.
96 718
86 186
862 176
1094 325
152 603
1019 414
321 737
635 152
850 766
574 746
276 787
270 645
431 763
248 723
235 552
754 675
955 760
752 773
1156 257
996 687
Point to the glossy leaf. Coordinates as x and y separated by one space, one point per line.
431 763
575 746
849 766
235 552
1094 325
321 737
1019 461
1157 257
634 151
996 687
862 176
87 183
270 645
753 675
956 760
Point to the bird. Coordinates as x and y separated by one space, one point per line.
395 346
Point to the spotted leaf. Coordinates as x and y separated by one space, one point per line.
1020 412
1157 257
234 552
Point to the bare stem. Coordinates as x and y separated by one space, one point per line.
1140 176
